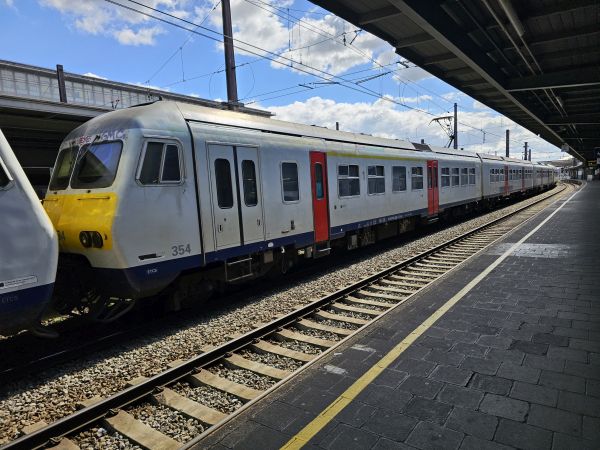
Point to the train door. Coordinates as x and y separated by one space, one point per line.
318 172
251 207
433 194
224 195
506 181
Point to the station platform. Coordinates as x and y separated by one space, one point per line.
512 361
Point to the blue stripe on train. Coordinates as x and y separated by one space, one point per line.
18 309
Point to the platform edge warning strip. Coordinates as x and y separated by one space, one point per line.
328 414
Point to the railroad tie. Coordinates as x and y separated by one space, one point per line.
140 433
294 336
206 378
340 318
267 347
306 323
240 362
347 308
188 407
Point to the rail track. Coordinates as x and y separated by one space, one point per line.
250 366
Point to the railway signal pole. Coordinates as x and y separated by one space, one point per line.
232 96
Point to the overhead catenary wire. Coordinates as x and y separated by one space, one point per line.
276 58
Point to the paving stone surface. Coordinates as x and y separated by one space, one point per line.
515 364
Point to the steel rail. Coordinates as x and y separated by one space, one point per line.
52 433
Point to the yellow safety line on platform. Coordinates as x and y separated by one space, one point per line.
327 415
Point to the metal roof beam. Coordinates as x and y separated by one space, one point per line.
438 58
439 25
562 79
576 119
559 7
413 40
566 34
378 14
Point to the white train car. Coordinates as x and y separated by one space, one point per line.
28 248
168 192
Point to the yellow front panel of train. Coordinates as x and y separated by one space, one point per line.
73 213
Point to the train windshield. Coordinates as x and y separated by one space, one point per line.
96 165
62 170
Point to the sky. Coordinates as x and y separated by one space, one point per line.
293 58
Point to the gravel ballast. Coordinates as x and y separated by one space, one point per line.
54 393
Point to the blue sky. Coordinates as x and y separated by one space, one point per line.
99 38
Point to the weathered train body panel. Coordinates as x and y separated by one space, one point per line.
28 247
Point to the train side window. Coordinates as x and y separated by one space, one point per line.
445 176
416 181
348 181
249 182
464 176
289 180
320 191
5 178
398 178
455 177
161 164
376 180
501 177
472 175
223 183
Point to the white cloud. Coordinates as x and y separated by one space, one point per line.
101 18
386 119
93 75
10 3
143 36
479 105
311 40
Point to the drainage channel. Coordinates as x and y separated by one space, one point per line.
194 397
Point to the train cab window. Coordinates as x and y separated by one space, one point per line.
289 180
62 169
319 188
96 165
398 178
161 164
416 181
348 180
376 180
223 183
464 176
171 172
455 177
472 175
249 183
4 177
445 176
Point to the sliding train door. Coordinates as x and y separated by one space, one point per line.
224 193
318 171
236 195
251 206
433 194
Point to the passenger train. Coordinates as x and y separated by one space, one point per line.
28 248
175 198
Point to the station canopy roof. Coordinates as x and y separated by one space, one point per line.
534 61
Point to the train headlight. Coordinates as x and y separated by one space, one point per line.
97 240
85 238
